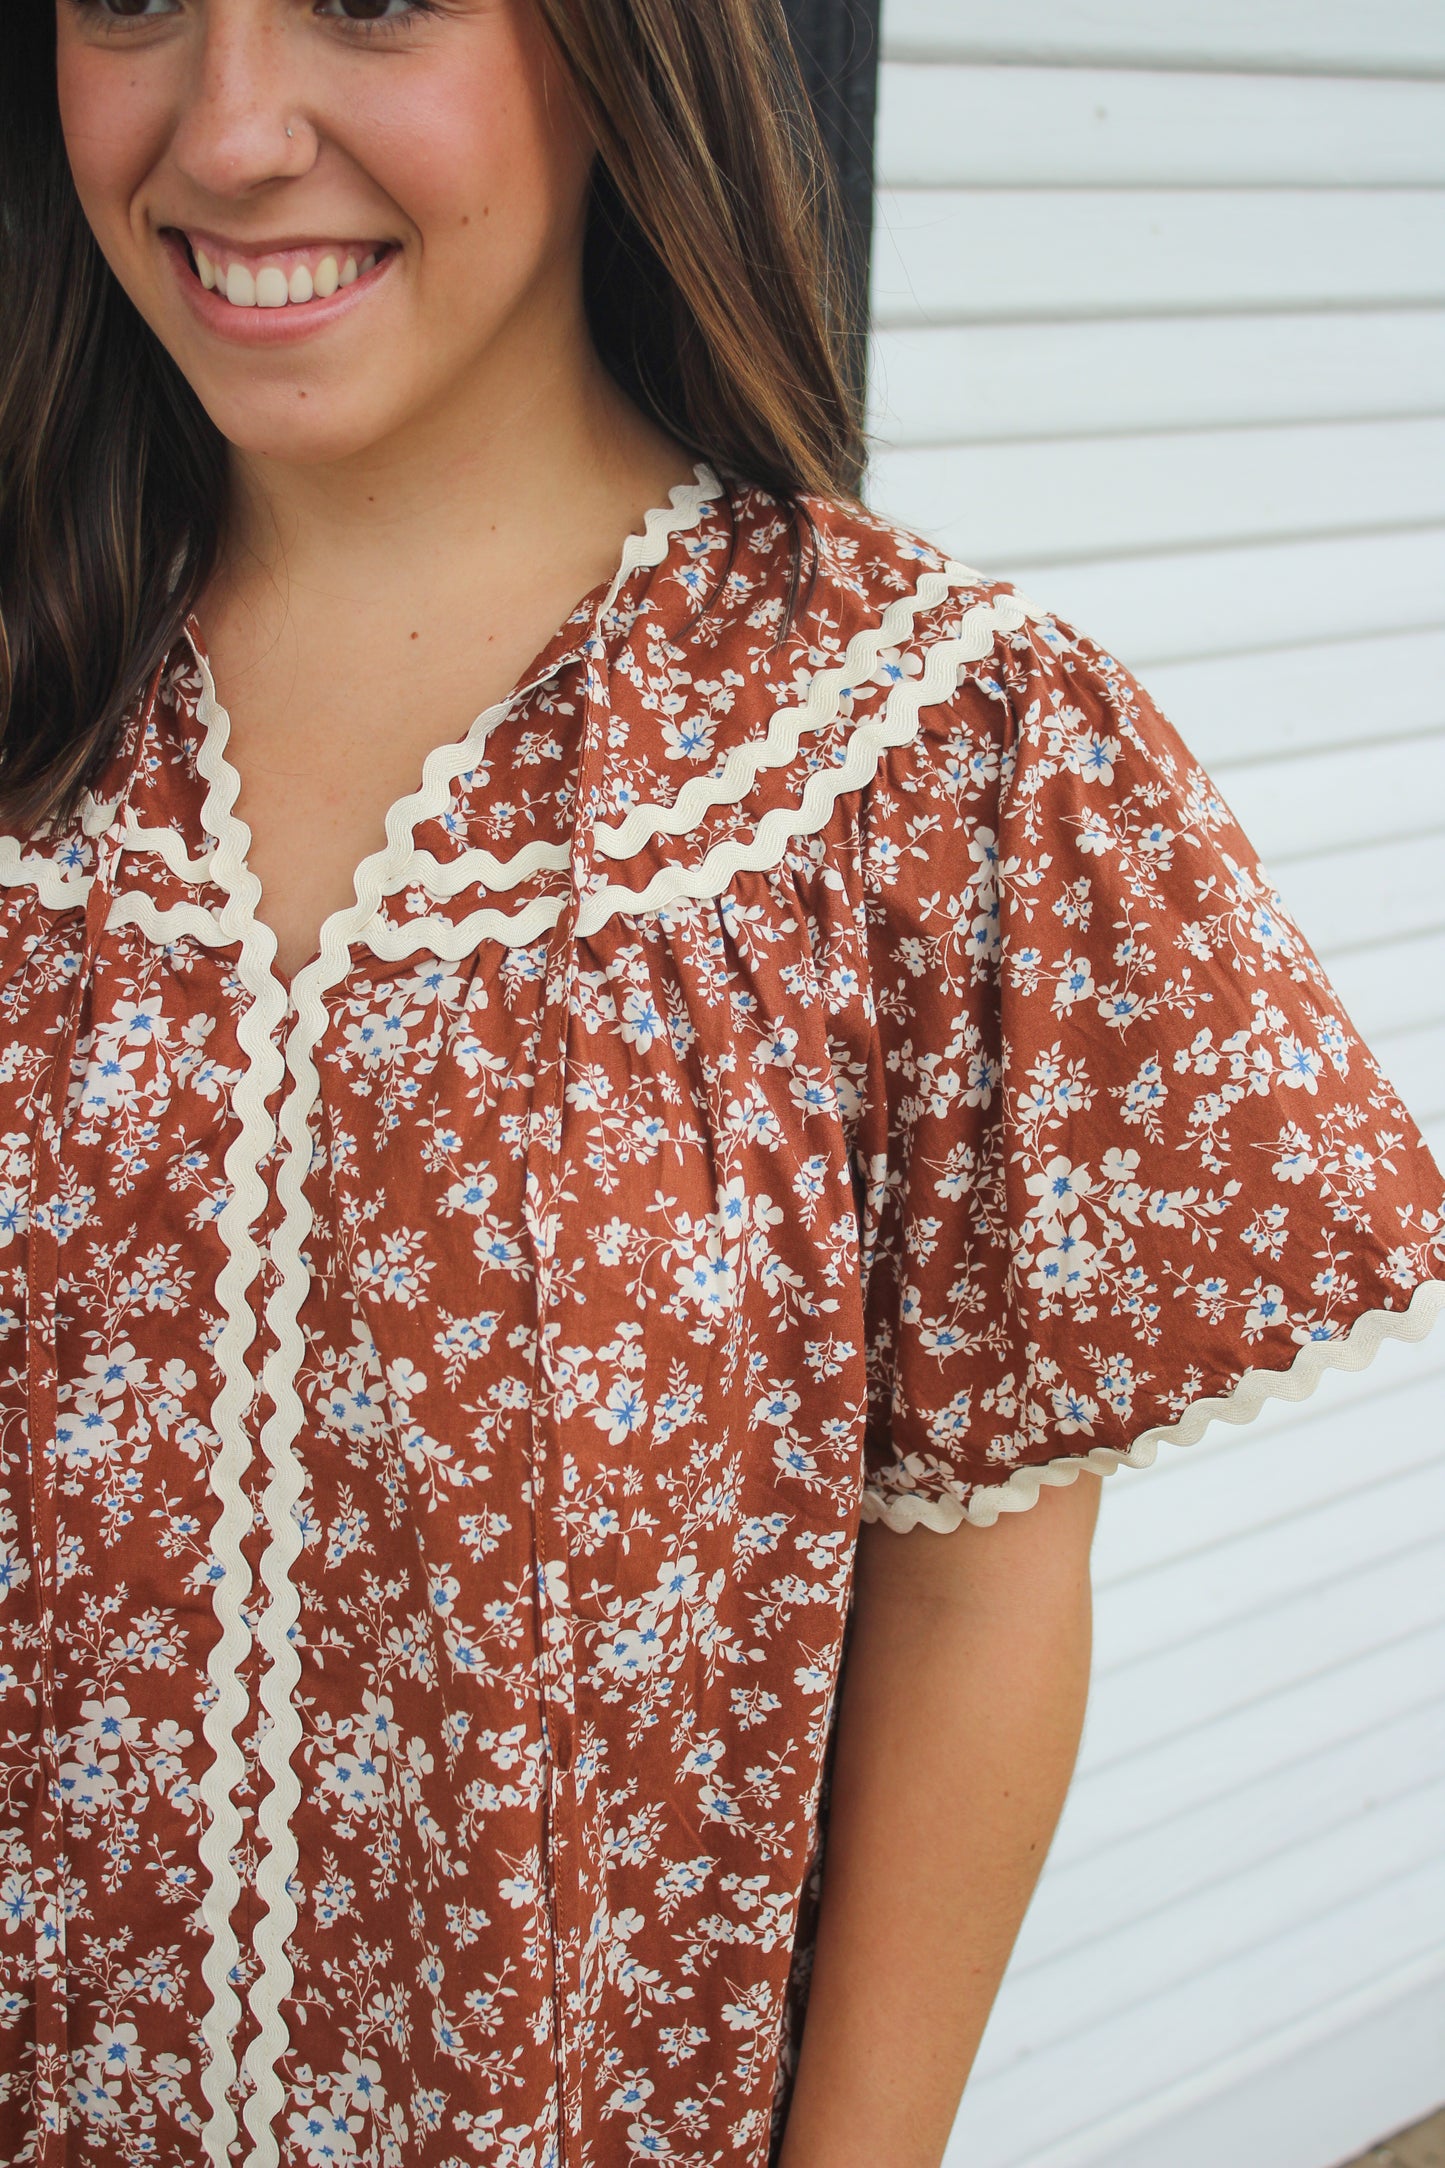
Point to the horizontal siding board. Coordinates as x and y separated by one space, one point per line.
1319 801
1158 1696
1405 38
1394 986
1108 1804
973 255
980 126
1414 1061
1239 1970
1323 2090
1089 497
1187 604
1213 1838
1207 1590
1352 898
1290 1459
969 382
1230 1918
1231 709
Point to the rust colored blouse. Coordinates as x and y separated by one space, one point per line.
775 1074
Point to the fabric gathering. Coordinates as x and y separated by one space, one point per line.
780 1073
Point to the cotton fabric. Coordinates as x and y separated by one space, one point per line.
779 1072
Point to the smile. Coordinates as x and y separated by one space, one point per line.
290 276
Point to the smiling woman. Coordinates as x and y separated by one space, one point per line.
438 135
592 1152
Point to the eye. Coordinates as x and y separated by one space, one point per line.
366 12
131 10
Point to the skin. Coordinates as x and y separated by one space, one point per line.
959 1723
420 490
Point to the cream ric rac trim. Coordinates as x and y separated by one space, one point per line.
96 814
683 510
165 844
784 733
230 1710
896 723
171 923
57 889
449 940
1354 1350
479 869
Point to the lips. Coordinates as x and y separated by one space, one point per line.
288 275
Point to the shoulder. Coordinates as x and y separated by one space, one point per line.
937 635
828 599
963 655
811 687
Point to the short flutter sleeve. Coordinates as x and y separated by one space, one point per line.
1124 1164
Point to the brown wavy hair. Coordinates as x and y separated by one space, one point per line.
711 294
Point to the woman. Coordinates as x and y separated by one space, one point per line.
509 1275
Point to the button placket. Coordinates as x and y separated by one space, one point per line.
545 1183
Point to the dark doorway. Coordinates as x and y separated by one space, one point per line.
837 45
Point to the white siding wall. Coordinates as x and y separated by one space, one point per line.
1160 310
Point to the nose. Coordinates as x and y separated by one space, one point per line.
243 122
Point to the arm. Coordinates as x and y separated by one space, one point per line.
958 1728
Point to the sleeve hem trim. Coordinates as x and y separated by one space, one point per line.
1354 1350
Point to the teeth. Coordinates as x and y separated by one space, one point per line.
271 288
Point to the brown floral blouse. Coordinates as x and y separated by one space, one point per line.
780 1070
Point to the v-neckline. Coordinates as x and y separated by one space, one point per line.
376 874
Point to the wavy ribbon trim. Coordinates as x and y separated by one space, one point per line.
172 922
1354 1350
245 1202
401 865
57 889
165 844
895 724
780 742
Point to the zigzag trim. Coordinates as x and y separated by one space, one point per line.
172 922
57 889
165 844
230 1710
786 726
896 723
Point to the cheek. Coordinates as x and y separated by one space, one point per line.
114 119
488 167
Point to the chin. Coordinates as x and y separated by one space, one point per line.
298 425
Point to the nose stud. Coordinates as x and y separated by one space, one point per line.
288 131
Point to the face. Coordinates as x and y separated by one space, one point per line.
338 216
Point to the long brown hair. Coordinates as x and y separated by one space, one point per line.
709 288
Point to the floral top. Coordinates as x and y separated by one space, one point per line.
778 1071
